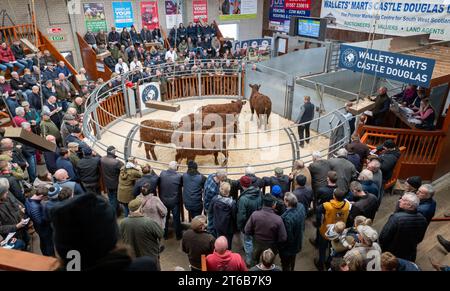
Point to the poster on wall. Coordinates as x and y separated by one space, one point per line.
174 14
94 16
281 12
400 18
123 14
200 10
256 50
237 9
149 14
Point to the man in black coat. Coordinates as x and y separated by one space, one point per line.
303 193
319 169
110 167
304 118
193 183
365 204
170 185
388 159
404 230
325 194
89 171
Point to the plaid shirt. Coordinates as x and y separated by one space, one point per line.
211 189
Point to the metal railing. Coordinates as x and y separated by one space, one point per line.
107 106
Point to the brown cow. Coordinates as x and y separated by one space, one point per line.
199 121
211 142
234 107
153 135
260 104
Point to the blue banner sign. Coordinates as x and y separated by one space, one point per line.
404 68
123 14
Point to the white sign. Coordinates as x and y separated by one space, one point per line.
149 92
400 17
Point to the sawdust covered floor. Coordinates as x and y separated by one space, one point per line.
280 150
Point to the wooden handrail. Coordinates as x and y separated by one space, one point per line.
52 49
15 33
164 35
90 61
13 260
423 148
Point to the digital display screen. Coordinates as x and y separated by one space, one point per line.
308 28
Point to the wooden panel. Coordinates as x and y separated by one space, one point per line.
55 53
90 61
13 260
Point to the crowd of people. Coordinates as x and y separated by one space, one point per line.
124 229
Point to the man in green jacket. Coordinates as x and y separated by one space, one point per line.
48 127
249 201
140 232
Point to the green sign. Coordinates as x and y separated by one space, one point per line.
94 16
57 38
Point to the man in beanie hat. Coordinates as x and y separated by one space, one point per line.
52 195
87 224
110 167
388 159
140 232
412 184
266 227
89 171
249 201
279 206
279 179
193 183
197 242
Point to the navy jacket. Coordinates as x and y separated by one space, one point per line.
294 222
66 164
50 160
81 144
427 208
282 181
370 186
152 179
223 210
402 233
35 212
170 183
193 191
304 196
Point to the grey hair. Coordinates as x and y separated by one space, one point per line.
25 125
429 188
221 173
412 199
20 111
341 153
249 171
365 175
290 199
173 165
4 185
316 155
355 185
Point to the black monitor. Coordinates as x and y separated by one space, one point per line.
309 27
